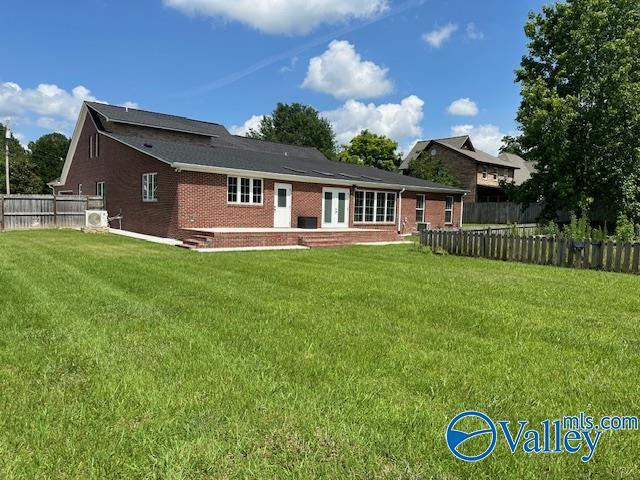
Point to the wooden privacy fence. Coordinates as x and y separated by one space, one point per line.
21 212
530 229
500 213
541 250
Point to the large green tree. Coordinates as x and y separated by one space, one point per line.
580 110
297 124
48 154
431 168
372 150
22 173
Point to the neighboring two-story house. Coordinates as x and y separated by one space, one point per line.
476 171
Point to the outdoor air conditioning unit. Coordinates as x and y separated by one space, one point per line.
422 226
96 219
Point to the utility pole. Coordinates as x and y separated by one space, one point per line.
7 136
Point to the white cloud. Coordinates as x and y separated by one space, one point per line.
464 107
252 123
484 137
291 66
395 120
283 16
437 37
473 33
341 72
46 107
45 100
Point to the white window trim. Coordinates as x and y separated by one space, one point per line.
79 189
453 204
239 190
144 176
96 146
424 207
98 184
485 172
91 146
495 173
375 208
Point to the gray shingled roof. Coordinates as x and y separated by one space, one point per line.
456 143
157 120
258 156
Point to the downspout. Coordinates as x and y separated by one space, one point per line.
461 210
400 211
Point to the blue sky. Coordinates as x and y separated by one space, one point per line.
409 69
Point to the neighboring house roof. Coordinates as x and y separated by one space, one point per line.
231 154
457 144
523 173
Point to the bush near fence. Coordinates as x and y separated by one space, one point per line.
23 212
540 250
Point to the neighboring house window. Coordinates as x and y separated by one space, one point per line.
79 189
374 207
100 189
448 211
91 146
247 191
420 208
485 172
495 173
150 187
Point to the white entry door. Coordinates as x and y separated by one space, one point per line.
335 208
282 205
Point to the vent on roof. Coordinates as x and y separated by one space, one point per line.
148 145
295 170
347 175
326 174
366 177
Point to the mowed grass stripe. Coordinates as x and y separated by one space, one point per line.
132 360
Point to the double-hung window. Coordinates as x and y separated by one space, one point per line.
245 191
374 207
420 208
100 189
448 211
150 187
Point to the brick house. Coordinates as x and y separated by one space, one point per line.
476 171
174 177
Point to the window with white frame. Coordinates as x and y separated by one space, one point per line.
485 172
150 187
374 207
246 191
79 189
495 173
91 146
100 189
448 211
420 208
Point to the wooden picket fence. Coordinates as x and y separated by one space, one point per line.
540 250
22 212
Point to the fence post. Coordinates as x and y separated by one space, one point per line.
55 211
636 257
1 212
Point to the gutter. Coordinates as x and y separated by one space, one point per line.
400 210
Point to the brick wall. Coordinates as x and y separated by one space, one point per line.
121 168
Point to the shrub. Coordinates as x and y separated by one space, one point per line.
625 229
578 228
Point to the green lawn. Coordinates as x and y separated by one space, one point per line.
124 359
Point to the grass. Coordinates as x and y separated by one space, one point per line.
123 359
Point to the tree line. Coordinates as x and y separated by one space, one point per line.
33 167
